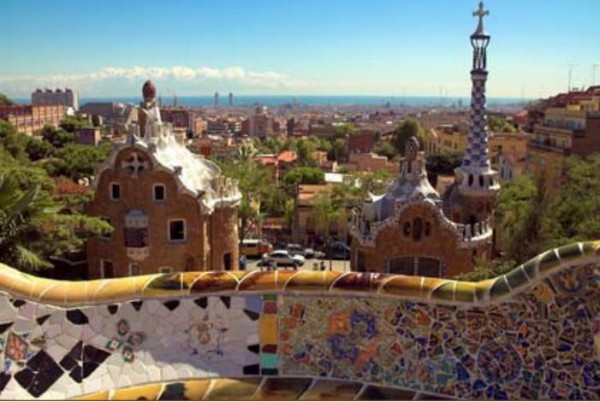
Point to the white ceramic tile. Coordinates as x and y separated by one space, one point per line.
7 311
27 311
22 326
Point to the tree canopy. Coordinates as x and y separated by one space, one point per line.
410 127
5 100
37 221
303 175
499 124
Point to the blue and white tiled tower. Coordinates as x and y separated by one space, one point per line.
475 177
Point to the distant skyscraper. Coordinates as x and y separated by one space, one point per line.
230 98
216 99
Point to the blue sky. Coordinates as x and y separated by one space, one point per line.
309 47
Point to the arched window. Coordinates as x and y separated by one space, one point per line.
481 181
417 229
470 180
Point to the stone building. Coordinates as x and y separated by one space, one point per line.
410 229
171 210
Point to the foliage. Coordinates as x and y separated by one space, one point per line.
36 221
246 152
487 270
387 149
57 137
574 215
409 127
77 161
254 182
500 125
520 211
442 164
303 175
337 151
326 211
12 141
344 129
5 100
356 191
37 149
304 151
34 227
71 123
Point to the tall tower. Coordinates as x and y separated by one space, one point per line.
476 181
230 98
216 99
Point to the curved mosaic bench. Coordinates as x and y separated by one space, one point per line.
532 333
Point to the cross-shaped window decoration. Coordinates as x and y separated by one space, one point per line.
135 165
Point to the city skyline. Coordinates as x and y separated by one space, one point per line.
381 48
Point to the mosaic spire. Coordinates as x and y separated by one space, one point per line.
476 173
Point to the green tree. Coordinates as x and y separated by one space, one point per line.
254 182
387 149
485 269
344 129
71 123
324 212
57 137
500 125
5 100
574 214
302 175
33 226
442 164
77 161
337 151
304 152
521 210
37 149
13 142
410 127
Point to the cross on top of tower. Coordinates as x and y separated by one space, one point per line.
480 12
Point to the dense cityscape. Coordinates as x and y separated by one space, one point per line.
336 247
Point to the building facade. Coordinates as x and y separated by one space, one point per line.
171 210
568 124
31 118
65 97
260 124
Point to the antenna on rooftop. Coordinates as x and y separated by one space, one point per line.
570 73
594 73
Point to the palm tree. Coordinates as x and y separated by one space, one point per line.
22 215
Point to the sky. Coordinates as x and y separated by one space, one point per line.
282 47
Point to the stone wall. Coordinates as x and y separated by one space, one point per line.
533 333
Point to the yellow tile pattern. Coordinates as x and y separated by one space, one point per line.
68 293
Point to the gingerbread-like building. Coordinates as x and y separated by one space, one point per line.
171 210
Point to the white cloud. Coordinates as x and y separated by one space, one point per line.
24 84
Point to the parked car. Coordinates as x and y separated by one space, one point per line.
309 253
337 251
296 249
283 258
254 248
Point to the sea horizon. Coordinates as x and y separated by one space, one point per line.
307 100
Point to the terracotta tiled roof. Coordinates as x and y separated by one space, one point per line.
287 156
